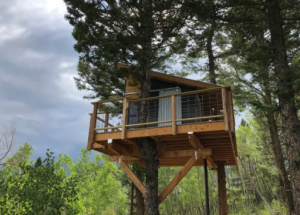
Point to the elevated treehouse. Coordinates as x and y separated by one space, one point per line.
190 121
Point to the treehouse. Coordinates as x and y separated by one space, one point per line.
191 122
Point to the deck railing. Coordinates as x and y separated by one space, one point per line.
121 114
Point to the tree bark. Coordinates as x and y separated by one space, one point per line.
211 58
286 97
222 189
140 206
149 155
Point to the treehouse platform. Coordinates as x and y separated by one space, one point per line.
191 122
196 123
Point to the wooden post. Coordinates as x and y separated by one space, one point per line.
106 121
174 129
92 127
222 189
225 111
124 121
206 187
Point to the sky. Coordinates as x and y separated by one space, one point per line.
38 94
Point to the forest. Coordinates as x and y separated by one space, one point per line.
250 45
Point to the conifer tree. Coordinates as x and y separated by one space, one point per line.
142 34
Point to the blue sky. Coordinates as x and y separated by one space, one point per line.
37 64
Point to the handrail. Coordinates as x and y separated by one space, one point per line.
108 100
176 94
160 97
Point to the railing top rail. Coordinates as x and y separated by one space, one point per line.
108 100
161 97
177 94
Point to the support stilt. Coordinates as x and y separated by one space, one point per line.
206 187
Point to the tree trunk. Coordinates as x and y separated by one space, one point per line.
211 58
279 161
286 97
140 206
149 155
222 189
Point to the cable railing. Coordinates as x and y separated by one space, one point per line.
123 114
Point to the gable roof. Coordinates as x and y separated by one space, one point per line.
177 80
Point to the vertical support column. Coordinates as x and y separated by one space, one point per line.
106 121
222 189
174 129
92 127
124 121
224 100
206 187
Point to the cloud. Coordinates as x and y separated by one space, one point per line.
37 66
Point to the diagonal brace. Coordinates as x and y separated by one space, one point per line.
178 178
133 177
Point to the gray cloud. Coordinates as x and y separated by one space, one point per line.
37 65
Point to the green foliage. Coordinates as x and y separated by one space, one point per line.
37 189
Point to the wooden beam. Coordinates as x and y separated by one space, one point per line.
177 179
233 149
185 153
133 177
231 111
132 141
117 148
174 129
161 131
92 127
225 111
124 120
195 142
98 146
166 155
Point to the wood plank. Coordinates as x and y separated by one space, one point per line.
233 149
98 146
196 144
177 179
225 111
174 129
92 127
133 177
124 120
117 148
231 111
150 132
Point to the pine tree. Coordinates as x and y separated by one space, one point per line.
142 34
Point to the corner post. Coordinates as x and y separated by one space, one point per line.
206 187
124 120
92 127
225 111
222 189
174 129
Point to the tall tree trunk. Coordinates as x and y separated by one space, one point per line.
279 161
149 155
286 96
140 206
222 189
211 58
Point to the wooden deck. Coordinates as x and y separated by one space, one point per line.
211 137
